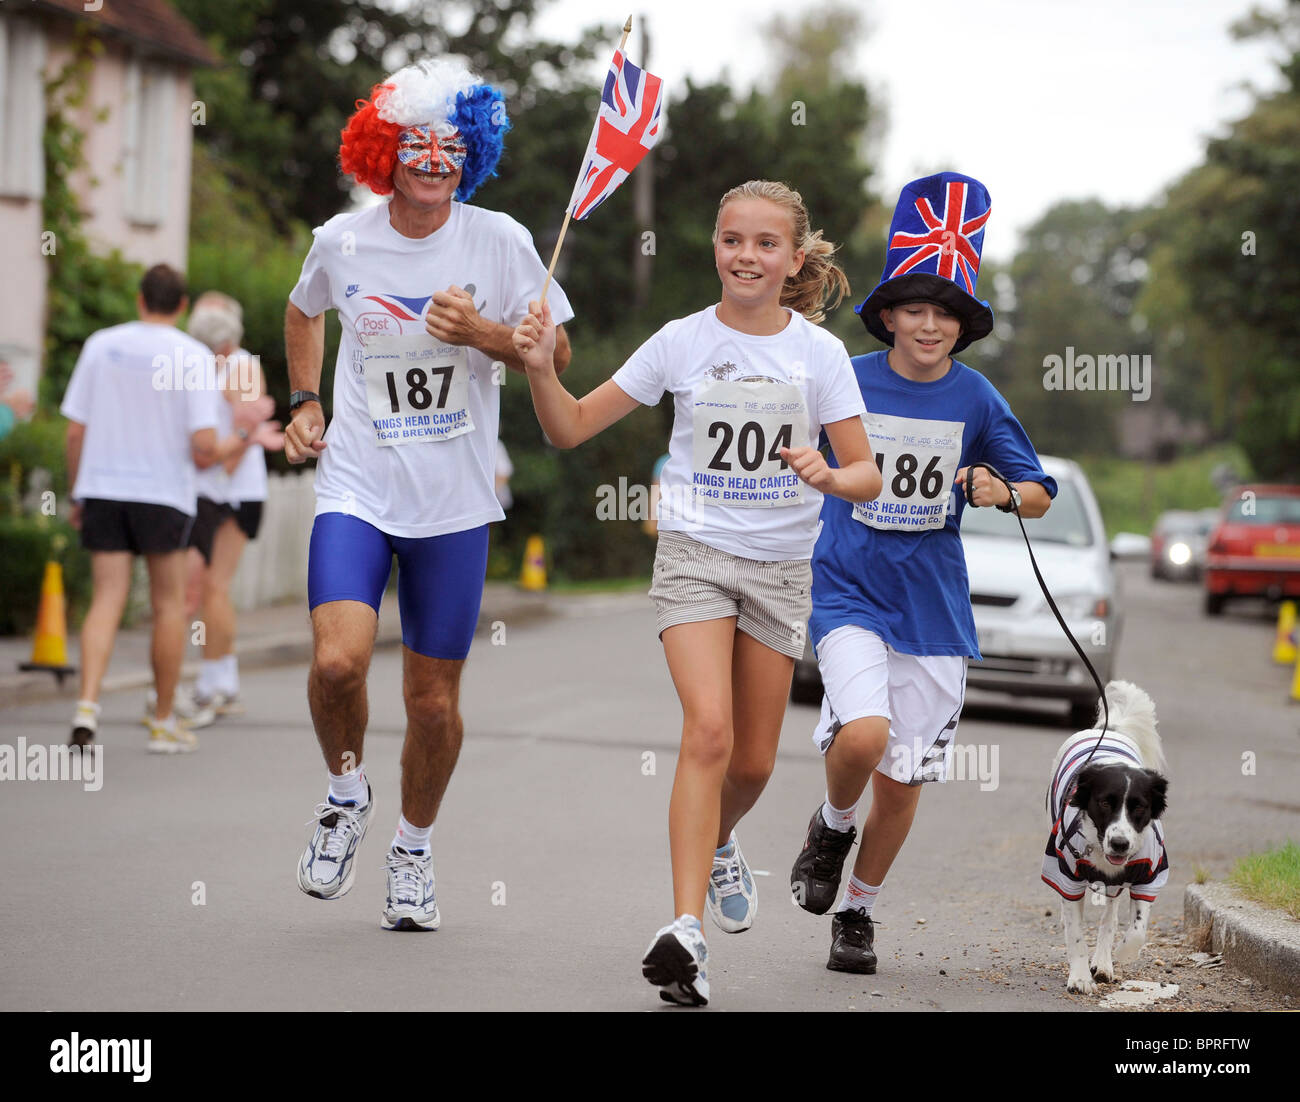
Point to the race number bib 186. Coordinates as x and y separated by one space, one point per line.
739 431
918 462
417 390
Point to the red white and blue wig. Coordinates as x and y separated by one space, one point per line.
434 115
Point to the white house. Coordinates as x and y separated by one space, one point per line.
138 156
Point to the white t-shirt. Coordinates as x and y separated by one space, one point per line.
142 390
213 482
412 446
738 399
248 480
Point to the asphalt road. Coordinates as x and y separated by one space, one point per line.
551 851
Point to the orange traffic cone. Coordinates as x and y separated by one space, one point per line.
50 647
533 575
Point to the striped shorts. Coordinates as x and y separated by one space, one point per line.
920 695
695 582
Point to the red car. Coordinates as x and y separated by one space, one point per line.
1255 550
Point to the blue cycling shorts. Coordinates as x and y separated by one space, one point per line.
439 578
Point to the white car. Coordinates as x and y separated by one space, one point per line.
1024 650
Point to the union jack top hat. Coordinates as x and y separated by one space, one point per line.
935 241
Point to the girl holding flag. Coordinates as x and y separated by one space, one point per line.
754 382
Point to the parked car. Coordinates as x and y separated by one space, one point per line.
1024 651
1255 549
1178 543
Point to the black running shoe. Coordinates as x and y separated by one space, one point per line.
81 738
815 878
852 937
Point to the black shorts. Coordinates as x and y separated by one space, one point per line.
141 527
248 515
211 517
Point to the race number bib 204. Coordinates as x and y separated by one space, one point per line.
417 390
918 462
739 430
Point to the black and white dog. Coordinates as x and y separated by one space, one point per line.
1106 833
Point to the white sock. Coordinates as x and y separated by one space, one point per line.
87 715
839 820
350 786
168 724
412 838
229 675
209 677
859 896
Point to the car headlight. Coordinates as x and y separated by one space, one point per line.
1080 606
1179 553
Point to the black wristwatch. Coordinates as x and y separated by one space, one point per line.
302 397
1013 503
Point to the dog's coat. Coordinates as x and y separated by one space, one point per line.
1106 831
1068 863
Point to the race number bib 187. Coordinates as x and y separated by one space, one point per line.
918 462
739 431
417 390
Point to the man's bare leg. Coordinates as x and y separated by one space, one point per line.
431 687
111 580
343 639
167 597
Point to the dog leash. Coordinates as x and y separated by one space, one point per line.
1101 690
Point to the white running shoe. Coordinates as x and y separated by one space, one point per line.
193 711
177 739
732 898
222 703
411 905
326 869
677 963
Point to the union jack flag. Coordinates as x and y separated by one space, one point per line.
947 237
627 126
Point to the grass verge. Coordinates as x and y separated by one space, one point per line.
1271 878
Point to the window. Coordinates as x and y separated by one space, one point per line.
22 109
150 99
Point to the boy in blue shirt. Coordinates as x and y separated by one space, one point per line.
892 620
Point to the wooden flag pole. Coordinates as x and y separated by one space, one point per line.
568 214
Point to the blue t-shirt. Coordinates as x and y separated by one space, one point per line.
895 576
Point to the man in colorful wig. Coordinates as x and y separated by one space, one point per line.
428 289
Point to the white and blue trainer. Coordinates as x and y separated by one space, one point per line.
327 867
411 904
732 898
677 963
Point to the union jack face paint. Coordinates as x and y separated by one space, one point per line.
420 148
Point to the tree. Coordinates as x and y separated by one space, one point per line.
1231 226
1073 286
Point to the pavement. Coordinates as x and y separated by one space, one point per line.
1260 941
272 636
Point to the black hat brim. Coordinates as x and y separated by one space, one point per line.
976 316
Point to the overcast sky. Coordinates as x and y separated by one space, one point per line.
1040 99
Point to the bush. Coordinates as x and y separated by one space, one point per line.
1132 493
32 461
27 543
